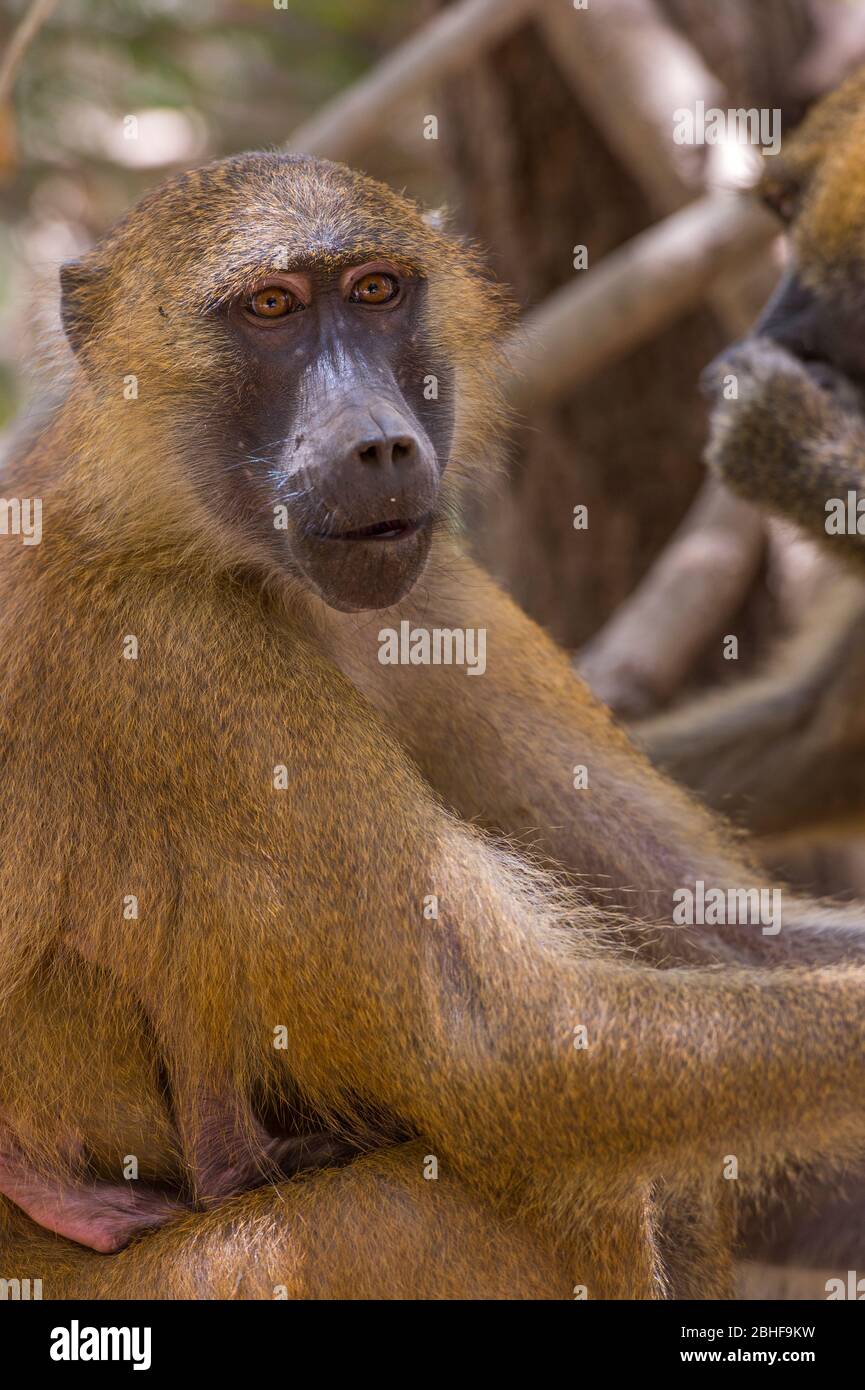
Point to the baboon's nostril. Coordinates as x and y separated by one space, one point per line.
393 450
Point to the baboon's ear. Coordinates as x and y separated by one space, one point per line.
80 284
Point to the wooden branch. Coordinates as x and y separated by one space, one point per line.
632 294
445 45
28 27
642 655
632 70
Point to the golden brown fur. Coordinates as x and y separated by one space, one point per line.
302 909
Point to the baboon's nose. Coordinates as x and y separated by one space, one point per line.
373 462
389 451
385 442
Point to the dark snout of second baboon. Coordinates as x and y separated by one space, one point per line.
822 328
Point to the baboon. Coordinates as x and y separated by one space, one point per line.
262 891
785 750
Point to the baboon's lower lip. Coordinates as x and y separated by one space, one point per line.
375 566
393 529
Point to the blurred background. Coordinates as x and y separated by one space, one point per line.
543 126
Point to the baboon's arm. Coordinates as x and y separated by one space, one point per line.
502 747
461 1022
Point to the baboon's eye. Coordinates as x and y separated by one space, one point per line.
374 288
273 302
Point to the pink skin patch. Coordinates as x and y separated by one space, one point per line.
101 1215
226 1158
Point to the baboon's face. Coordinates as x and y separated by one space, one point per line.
342 434
295 331
817 186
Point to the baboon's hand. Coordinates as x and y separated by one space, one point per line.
787 434
773 415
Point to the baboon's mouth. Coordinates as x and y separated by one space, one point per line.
391 530
376 565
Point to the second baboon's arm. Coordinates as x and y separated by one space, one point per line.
502 749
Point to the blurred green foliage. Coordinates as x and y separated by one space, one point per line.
202 78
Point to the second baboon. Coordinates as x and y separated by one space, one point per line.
786 750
